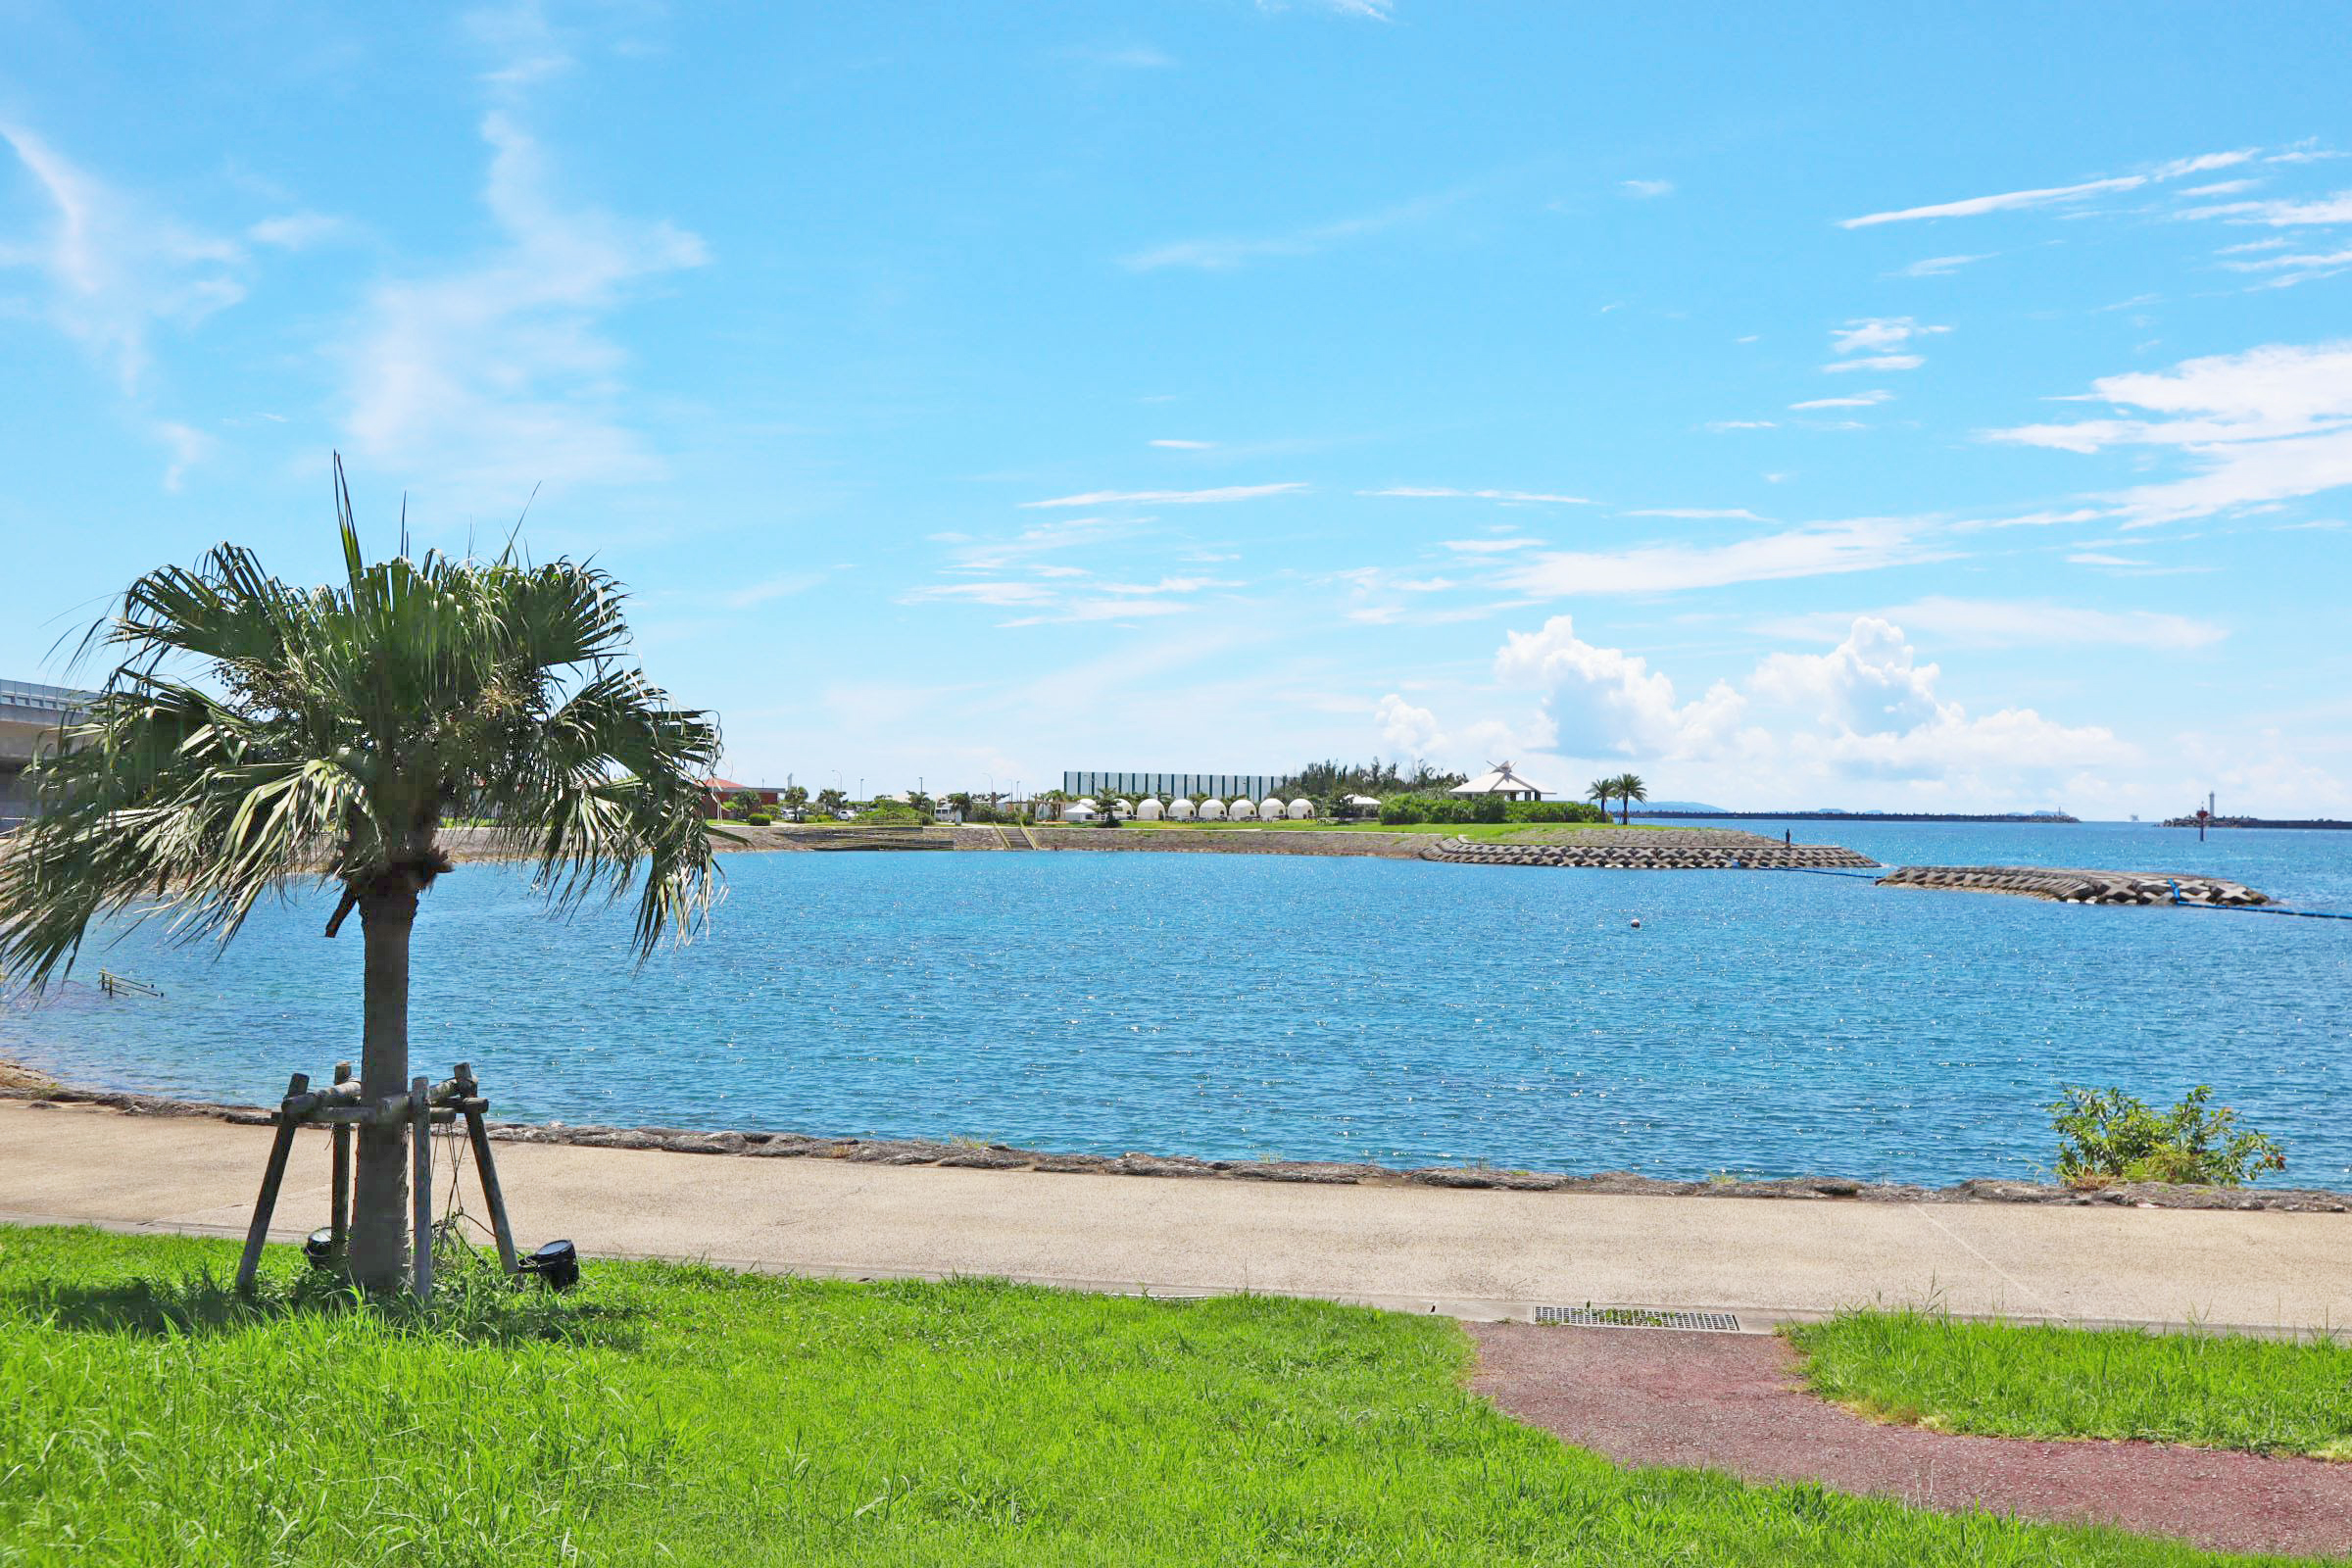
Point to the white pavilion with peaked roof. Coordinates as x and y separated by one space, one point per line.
1498 779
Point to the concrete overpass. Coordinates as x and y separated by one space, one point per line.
30 717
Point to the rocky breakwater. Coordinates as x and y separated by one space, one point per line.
2066 886
1652 850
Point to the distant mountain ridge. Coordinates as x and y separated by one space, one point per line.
1675 806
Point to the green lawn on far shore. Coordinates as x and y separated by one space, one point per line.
2026 1381
685 1415
1528 832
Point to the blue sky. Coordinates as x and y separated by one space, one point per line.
1913 408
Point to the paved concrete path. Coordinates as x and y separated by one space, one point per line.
1734 1402
1477 1255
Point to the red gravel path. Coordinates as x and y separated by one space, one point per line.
1734 1402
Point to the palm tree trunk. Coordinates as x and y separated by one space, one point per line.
379 1230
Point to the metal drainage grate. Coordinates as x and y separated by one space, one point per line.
1629 1317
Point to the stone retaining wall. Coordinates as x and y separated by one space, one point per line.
2066 886
1321 1173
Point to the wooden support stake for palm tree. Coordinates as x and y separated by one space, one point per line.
420 1147
273 1175
339 1219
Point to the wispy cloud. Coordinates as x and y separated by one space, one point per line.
1489 547
2271 424
1173 444
1741 424
1169 498
1878 362
1870 334
115 269
2015 624
1698 514
2336 208
2051 195
1821 549
1444 493
1226 253
500 371
1860 400
1939 266
1646 189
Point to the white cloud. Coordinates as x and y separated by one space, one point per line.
1870 334
297 232
1824 550
1741 424
1402 724
1488 547
1860 400
1644 189
1803 725
1698 514
2020 623
1169 498
2271 424
1603 700
1173 444
1227 253
2336 208
114 269
1440 493
1940 266
499 371
189 447
1878 362
2051 195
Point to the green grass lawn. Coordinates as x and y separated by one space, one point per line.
2022 1381
667 1414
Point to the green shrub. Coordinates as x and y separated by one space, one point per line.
2111 1136
1554 811
1407 808
889 812
761 820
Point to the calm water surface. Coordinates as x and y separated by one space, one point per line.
1400 1011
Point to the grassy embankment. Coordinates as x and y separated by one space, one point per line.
2025 1381
686 1415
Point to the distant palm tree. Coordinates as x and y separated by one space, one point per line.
1629 788
1600 792
254 732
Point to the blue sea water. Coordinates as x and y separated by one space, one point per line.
1325 1009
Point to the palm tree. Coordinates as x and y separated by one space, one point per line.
1629 788
252 732
1600 792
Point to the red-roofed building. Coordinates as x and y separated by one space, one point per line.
719 792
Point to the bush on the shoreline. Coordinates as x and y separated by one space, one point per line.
2107 1135
1404 810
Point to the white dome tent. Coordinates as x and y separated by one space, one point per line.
1149 812
1302 808
1122 810
1242 810
1212 809
1272 808
1180 809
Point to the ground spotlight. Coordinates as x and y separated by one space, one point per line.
558 1263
